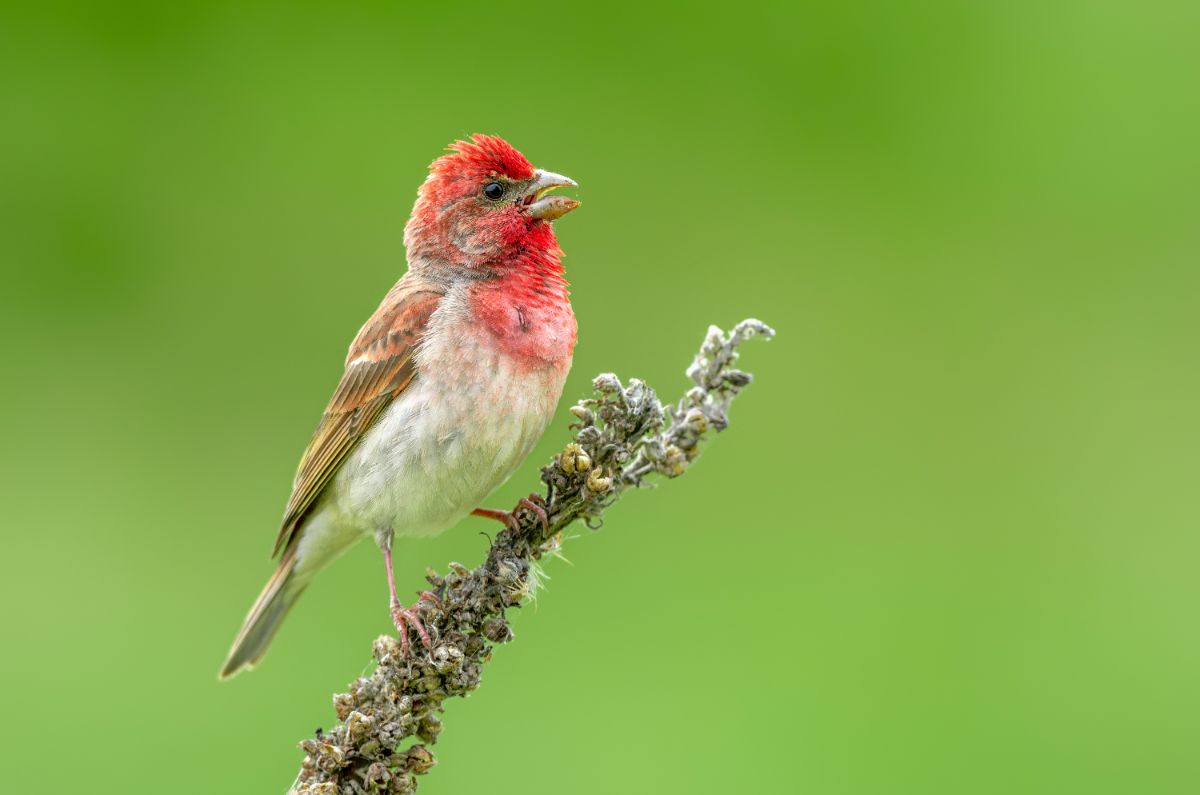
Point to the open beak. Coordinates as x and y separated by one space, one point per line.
548 208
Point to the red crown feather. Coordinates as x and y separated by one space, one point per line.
485 154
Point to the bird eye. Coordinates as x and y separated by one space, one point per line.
494 191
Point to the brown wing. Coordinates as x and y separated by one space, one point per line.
378 367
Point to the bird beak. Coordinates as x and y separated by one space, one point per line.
548 208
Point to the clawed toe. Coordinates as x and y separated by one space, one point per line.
406 617
534 503
509 520
538 509
429 596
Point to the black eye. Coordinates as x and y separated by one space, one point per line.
494 191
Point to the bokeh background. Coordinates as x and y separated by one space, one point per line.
949 545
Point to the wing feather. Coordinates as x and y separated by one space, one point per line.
379 367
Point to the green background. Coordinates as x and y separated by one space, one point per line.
949 545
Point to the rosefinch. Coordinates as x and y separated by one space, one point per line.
446 388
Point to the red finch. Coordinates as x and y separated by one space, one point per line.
446 388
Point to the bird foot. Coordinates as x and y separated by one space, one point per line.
534 503
430 596
406 617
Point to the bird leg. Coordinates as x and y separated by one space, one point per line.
534 503
404 617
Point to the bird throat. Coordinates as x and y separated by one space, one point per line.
526 310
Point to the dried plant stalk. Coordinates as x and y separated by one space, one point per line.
623 435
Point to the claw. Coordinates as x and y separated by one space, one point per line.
500 516
429 596
534 503
538 510
404 617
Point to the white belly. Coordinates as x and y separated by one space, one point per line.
459 430
443 445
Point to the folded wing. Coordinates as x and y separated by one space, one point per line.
379 367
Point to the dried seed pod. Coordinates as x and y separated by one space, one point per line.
574 459
696 420
674 462
447 659
343 705
403 784
419 759
328 756
497 630
430 728
589 435
598 482
386 647
607 383
737 378
377 775
358 725
508 570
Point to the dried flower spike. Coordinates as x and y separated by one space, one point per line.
625 435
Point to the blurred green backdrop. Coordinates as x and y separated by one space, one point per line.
950 544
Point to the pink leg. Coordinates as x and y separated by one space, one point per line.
402 616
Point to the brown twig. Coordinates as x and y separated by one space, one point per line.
623 435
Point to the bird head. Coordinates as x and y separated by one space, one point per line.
483 205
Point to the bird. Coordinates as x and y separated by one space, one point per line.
446 388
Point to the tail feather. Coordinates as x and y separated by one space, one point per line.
264 618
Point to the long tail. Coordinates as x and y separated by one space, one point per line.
264 618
